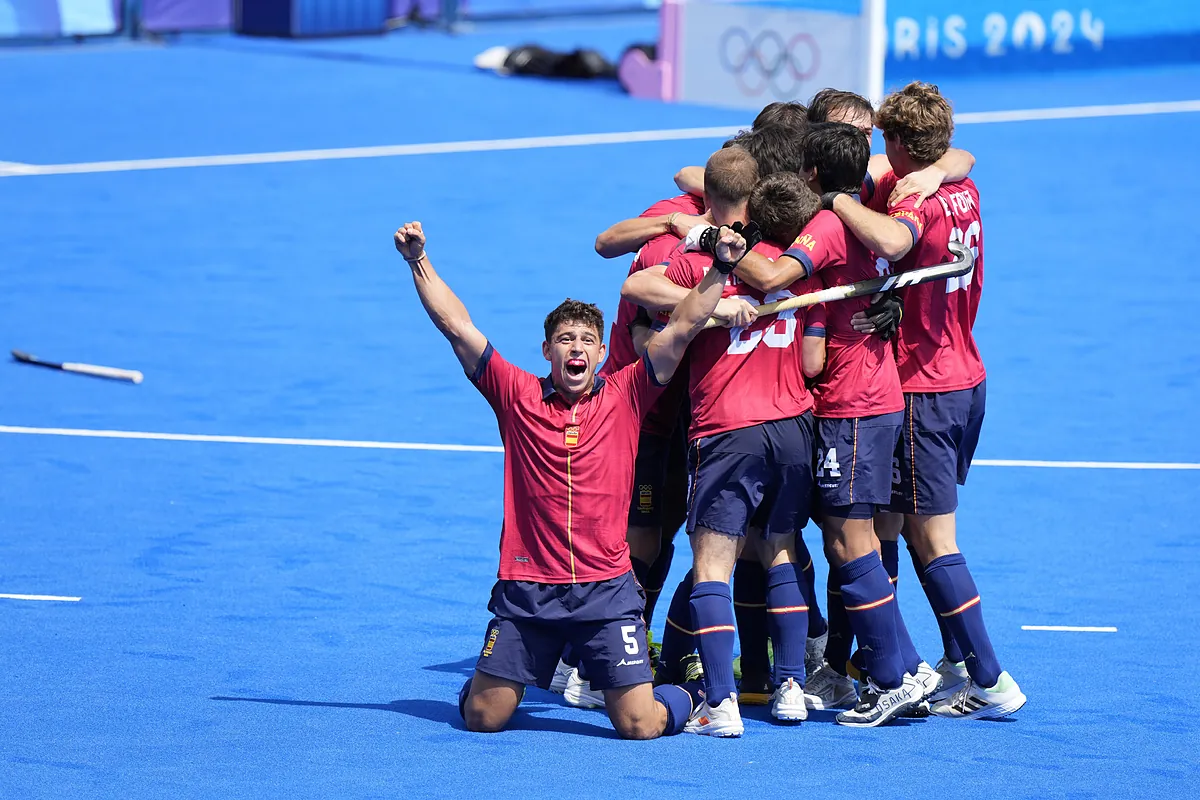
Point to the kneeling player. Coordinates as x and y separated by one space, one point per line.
570 440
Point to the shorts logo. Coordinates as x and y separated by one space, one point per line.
571 436
645 497
491 642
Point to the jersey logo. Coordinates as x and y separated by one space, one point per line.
571 436
806 241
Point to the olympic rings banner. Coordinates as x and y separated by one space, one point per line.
742 56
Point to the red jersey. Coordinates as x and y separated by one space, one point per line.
661 419
568 470
740 377
860 378
936 351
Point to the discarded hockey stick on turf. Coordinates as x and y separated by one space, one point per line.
964 261
114 373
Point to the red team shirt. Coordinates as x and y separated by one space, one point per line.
936 351
568 470
739 377
860 378
662 418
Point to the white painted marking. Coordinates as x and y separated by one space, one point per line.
50 597
482 448
1069 628
1079 112
384 151
15 168
193 437
1000 462
570 140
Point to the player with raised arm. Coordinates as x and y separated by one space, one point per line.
569 441
943 378
750 453
858 411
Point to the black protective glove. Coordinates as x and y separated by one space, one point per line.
885 313
828 198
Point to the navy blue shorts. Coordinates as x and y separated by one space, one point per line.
854 463
533 622
659 461
937 442
761 477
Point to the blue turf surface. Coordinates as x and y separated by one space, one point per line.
267 621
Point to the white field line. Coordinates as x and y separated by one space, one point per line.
479 448
50 597
11 169
1069 628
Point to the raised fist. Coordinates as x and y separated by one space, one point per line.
410 241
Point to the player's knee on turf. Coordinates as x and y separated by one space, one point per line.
634 712
490 703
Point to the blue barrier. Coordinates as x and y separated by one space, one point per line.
48 19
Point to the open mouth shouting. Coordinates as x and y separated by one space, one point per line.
576 367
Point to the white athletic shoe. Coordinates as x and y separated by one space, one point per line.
814 653
929 679
579 693
723 720
951 677
975 702
876 705
493 59
562 675
788 703
827 689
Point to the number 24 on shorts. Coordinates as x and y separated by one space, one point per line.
827 460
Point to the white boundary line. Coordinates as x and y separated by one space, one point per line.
1069 628
13 169
478 448
49 597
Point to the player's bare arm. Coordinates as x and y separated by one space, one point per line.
812 355
770 276
628 235
666 349
443 306
691 180
884 236
952 167
654 291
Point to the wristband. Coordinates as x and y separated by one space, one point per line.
692 240
416 260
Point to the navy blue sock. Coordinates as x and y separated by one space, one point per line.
679 700
712 620
841 636
889 552
953 589
462 698
750 611
787 615
808 587
655 578
950 647
678 640
868 596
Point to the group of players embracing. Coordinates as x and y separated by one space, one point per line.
862 415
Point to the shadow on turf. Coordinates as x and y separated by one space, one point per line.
464 667
526 718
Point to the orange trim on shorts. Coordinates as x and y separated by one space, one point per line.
912 452
853 459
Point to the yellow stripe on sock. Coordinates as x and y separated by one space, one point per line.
787 609
876 604
972 602
680 628
749 605
715 629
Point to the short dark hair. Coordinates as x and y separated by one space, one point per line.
575 311
730 175
839 153
776 148
788 114
920 118
782 204
829 101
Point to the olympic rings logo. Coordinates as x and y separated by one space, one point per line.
769 60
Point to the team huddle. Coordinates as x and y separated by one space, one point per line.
742 426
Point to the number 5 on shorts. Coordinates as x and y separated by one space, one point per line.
631 643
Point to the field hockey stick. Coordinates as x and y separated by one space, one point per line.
131 375
963 261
